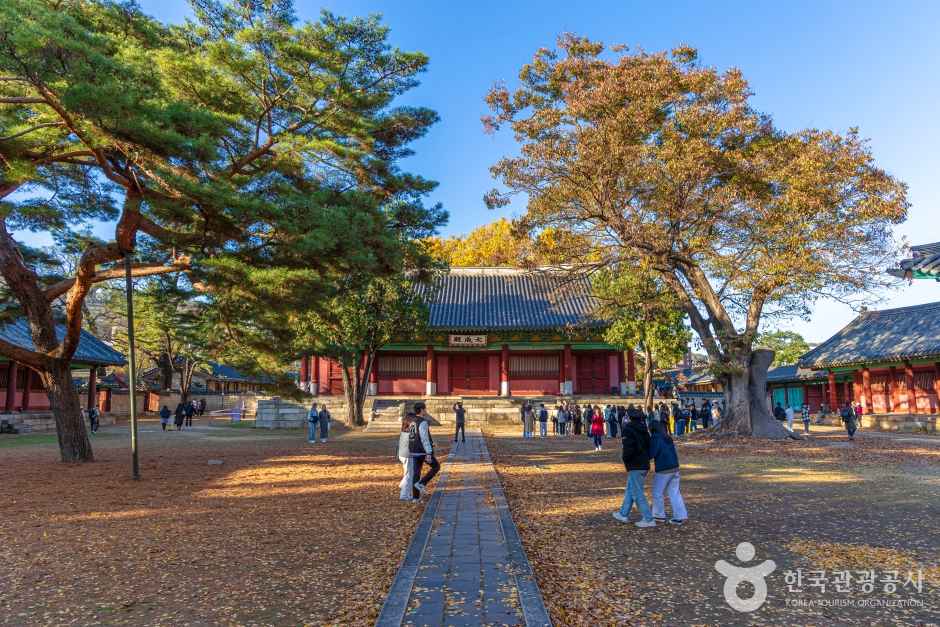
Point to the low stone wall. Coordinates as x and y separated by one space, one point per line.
900 423
43 421
120 402
277 413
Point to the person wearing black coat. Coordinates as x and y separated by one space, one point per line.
635 453
178 416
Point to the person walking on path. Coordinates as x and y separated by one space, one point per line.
179 416
528 421
716 414
586 417
461 415
635 454
93 418
680 421
563 420
848 417
858 415
165 414
202 406
780 413
790 415
666 480
189 410
576 420
706 414
421 445
555 419
324 420
806 418
543 421
613 422
522 413
406 487
693 417
313 419
597 428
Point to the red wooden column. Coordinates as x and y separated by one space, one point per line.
868 405
833 394
374 376
304 372
631 370
92 387
26 389
504 371
566 386
430 374
315 376
936 380
622 373
12 375
909 384
889 393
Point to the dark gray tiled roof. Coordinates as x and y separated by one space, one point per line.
477 299
792 372
228 373
878 336
90 349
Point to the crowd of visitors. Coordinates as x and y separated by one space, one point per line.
596 423
850 414
183 415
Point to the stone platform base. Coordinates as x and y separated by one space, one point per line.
43 422
481 411
900 423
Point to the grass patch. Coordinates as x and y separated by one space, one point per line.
26 439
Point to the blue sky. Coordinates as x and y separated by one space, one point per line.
811 64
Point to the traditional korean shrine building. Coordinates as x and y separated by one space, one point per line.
21 390
889 361
792 386
496 332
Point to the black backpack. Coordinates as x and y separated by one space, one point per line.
415 447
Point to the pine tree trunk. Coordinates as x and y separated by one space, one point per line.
349 388
648 381
74 445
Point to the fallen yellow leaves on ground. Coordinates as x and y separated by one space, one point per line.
837 555
281 533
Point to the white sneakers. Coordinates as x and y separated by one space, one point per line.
640 523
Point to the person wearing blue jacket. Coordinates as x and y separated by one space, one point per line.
666 480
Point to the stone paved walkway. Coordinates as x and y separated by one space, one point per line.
465 564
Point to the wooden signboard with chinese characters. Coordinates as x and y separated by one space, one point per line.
467 341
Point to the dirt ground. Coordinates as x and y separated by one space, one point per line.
281 533
822 504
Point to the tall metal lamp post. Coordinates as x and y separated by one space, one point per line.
131 365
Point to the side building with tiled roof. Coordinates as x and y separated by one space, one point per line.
496 332
20 387
888 360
